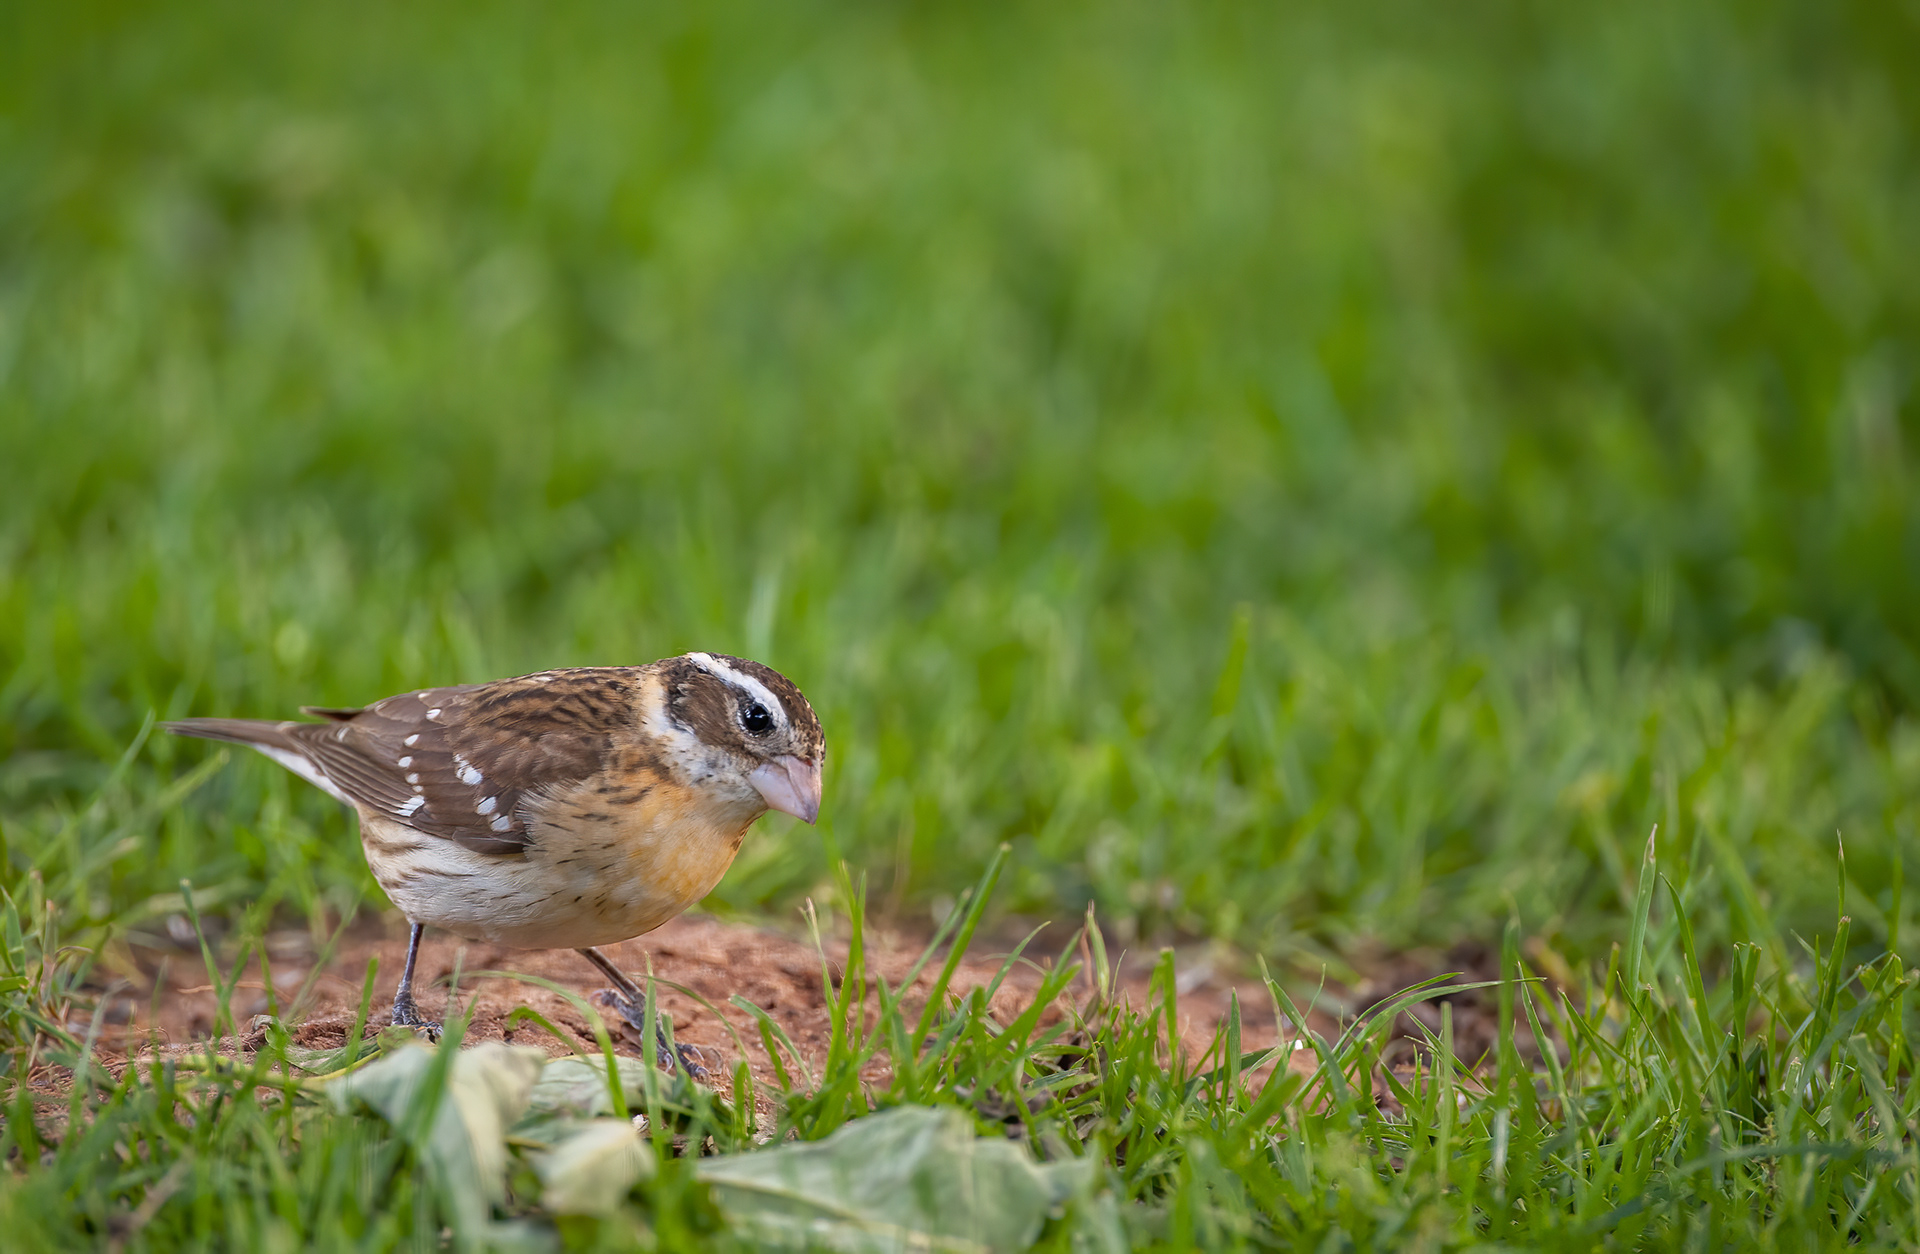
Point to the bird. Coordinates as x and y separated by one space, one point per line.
567 809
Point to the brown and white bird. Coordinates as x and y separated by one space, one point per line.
568 809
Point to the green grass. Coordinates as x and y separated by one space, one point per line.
1772 1110
1319 478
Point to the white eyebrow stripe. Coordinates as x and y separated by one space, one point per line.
746 683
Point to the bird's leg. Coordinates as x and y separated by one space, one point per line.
405 1013
625 996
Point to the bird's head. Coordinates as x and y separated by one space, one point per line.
745 727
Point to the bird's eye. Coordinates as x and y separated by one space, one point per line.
754 718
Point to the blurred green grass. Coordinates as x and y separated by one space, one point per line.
1320 477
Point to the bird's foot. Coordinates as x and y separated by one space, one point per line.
407 1015
669 1056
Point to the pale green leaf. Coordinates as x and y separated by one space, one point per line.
590 1170
914 1177
487 1088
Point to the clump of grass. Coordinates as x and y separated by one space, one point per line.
1769 1107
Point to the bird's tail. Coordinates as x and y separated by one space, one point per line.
241 731
269 738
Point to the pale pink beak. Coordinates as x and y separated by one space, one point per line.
790 786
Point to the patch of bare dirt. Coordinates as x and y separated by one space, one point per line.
716 960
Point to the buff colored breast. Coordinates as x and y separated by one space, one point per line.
592 875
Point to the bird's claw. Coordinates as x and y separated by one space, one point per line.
407 1015
667 1057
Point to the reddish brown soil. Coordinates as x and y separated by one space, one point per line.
779 973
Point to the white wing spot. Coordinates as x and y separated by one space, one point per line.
412 740
501 822
487 804
341 733
418 788
413 779
412 805
468 775
405 763
434 712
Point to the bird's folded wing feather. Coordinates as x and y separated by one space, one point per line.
457 762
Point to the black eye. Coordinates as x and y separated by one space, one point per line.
754 718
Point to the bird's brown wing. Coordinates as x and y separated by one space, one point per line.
455 762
